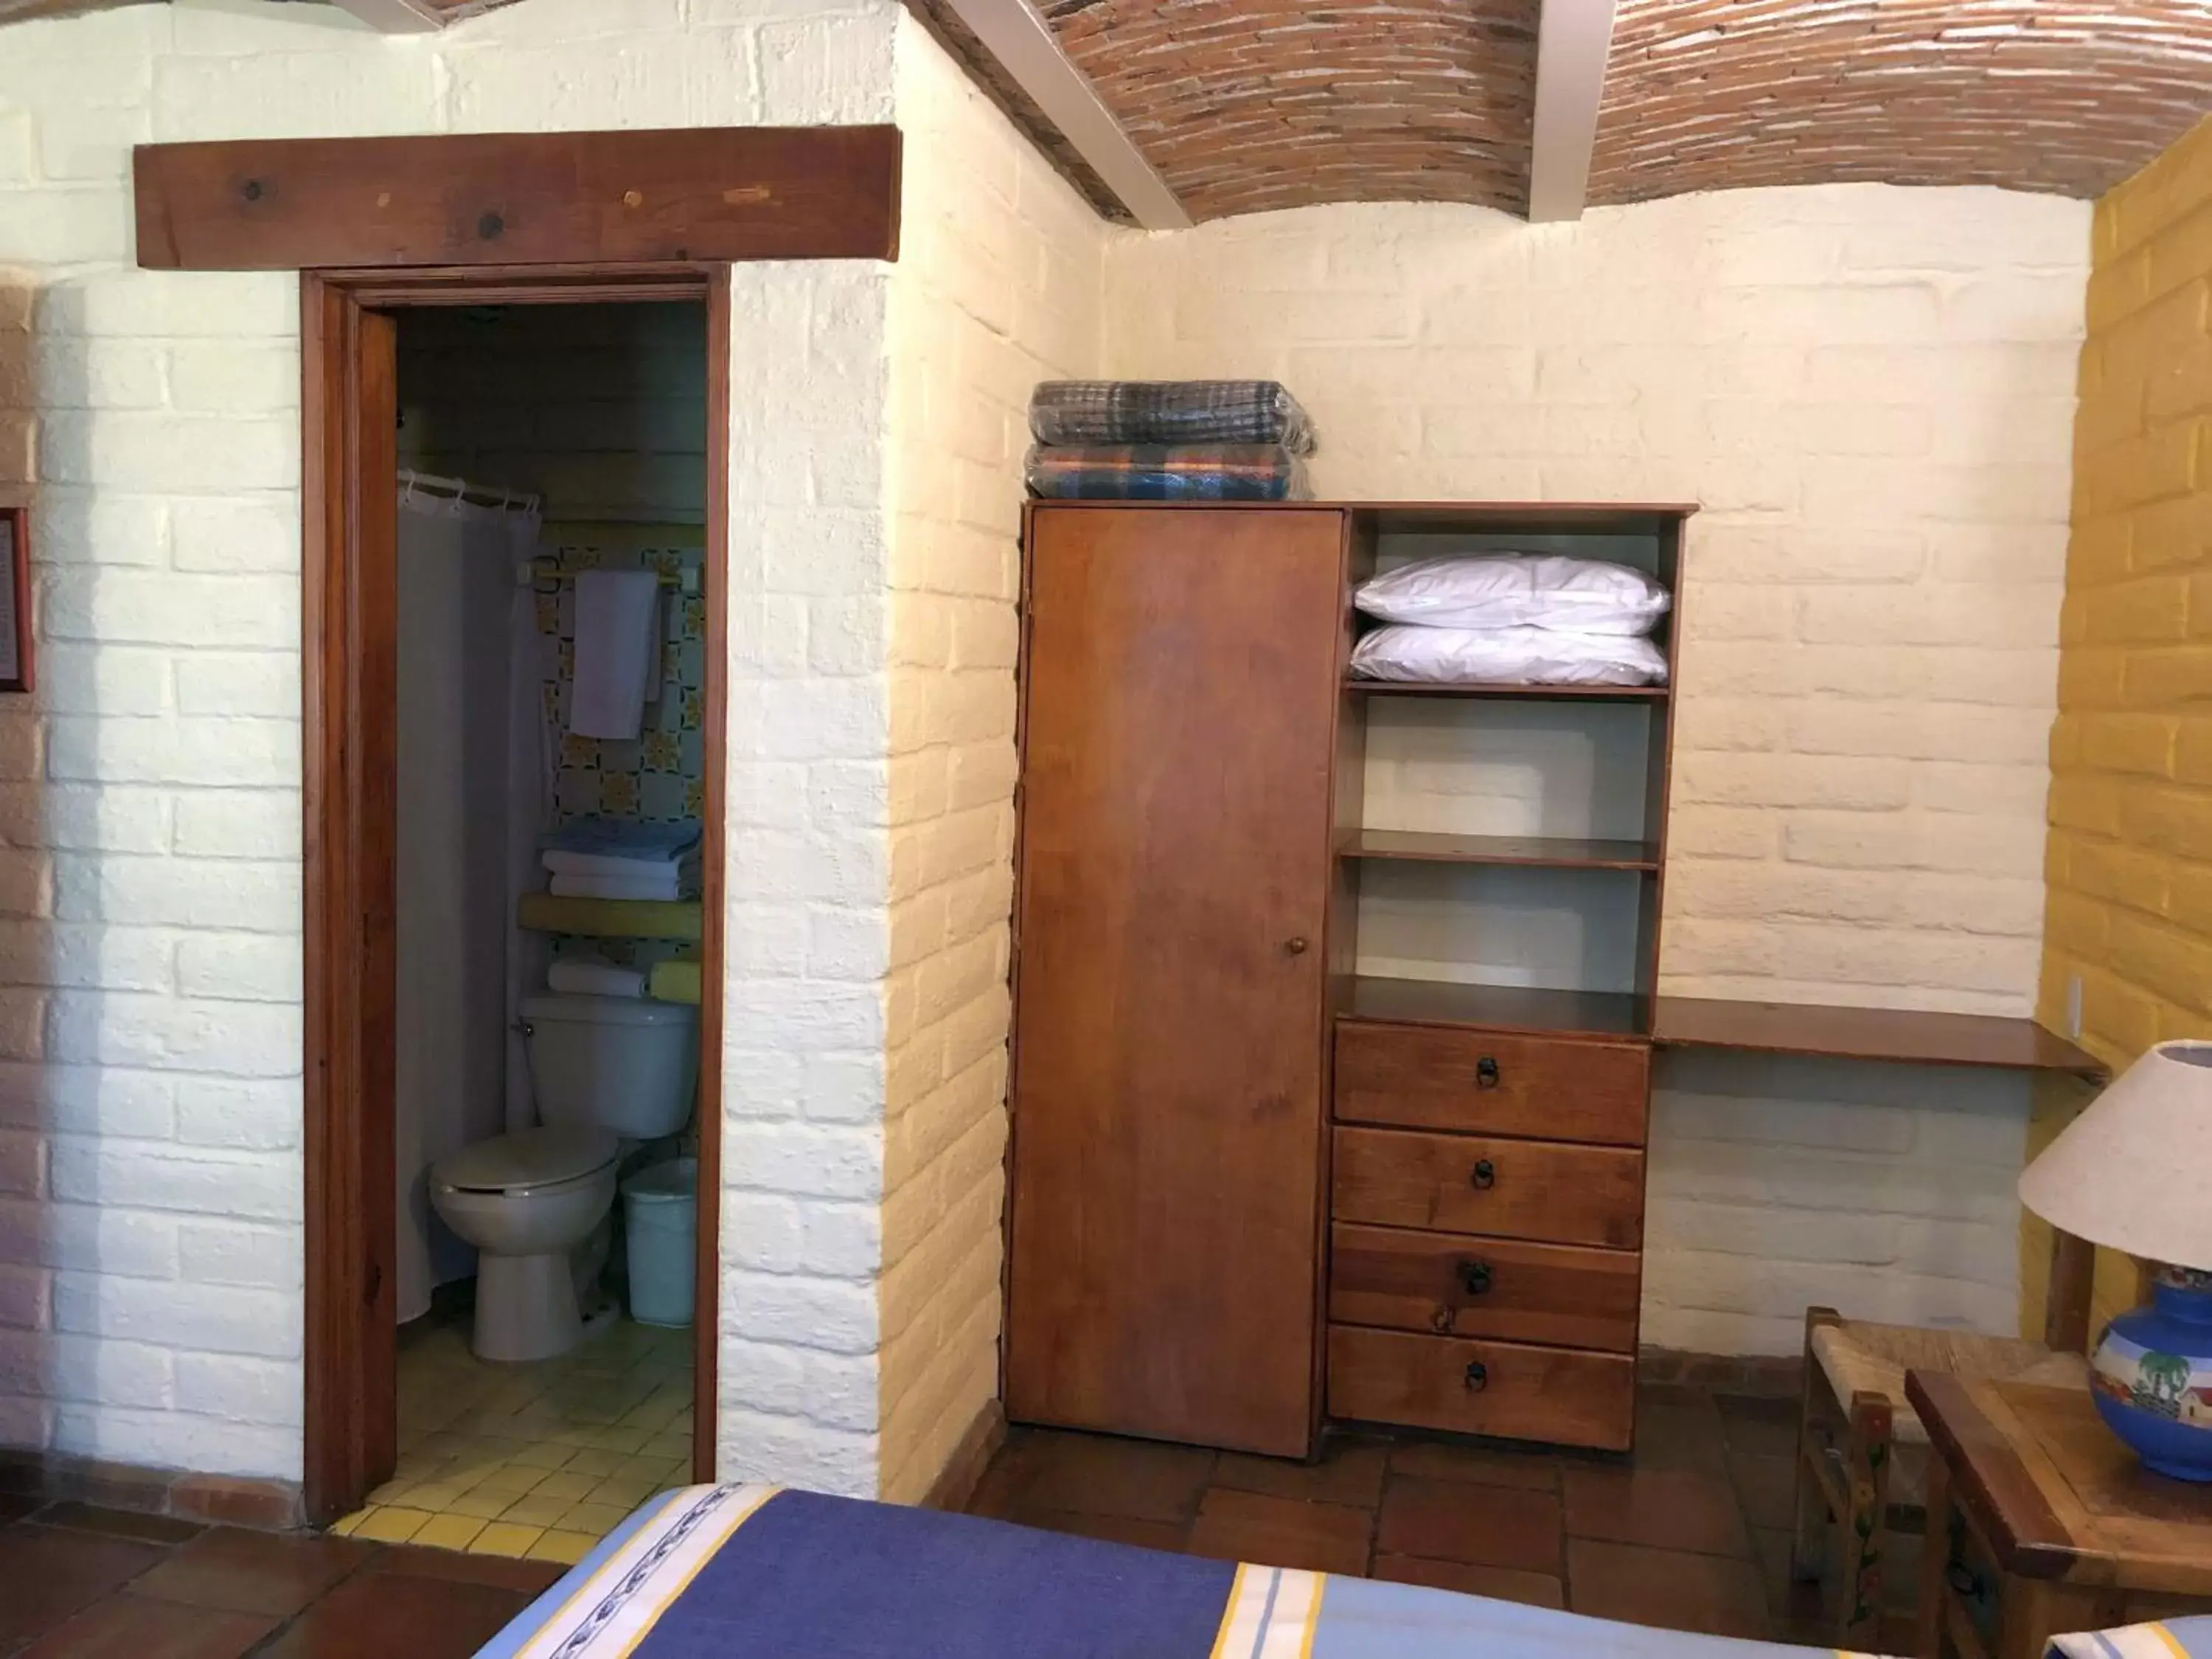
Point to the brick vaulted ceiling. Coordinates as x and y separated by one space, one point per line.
2033 95
1245 105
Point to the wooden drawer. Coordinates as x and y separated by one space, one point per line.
1555 1088
1512 1390
1562 1294
1538 1189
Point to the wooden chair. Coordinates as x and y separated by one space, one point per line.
1861 1449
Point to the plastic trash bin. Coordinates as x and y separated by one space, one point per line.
660 1205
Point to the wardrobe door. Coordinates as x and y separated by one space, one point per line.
1180 707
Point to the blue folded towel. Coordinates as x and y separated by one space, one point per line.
624 838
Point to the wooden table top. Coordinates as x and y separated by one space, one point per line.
2056 1494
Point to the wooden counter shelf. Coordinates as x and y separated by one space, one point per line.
1811 1030
1521 690
1550 852
1904 1037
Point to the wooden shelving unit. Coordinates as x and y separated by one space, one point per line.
1524 693
1544 852
1526 1008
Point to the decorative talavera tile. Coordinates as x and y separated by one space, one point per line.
659 776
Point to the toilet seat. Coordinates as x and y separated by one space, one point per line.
529 1161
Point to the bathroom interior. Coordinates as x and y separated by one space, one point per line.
551 672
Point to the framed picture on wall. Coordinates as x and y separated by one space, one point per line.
15 598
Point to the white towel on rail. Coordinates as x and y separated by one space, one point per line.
618 651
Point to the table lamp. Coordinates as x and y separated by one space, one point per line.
2134 1172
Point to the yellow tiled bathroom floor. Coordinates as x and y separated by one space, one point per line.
540 1459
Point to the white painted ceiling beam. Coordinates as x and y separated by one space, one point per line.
396 16
1573 40
1027 49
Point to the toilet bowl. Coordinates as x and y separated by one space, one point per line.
528 1201
608 1072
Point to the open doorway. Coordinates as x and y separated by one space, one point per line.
514 708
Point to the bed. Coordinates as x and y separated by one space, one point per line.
740 1572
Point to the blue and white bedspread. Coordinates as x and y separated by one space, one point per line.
2170 1639
746 1572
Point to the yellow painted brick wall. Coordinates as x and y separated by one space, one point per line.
2130 858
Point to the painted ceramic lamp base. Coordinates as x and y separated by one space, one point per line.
2152 1376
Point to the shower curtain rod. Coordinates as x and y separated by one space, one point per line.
460 489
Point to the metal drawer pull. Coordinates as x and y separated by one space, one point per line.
1485 1173
1478 1375
1486 1072
1296 947
1474 1277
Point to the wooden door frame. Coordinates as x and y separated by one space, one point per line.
350 831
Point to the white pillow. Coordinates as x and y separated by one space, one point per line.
1517 590
1506 656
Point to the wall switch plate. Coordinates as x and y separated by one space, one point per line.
2074 1007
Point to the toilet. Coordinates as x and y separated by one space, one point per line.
608 1073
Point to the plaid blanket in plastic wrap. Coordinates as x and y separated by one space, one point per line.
1167 472
1170 412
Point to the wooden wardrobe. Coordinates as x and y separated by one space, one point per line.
1249 1188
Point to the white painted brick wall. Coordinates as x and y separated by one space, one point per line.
999 285
149 838
1871 392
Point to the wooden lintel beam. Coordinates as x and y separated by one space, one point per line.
702 194
1573 40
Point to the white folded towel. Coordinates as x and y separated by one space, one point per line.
595 979
608 864
618 651
662 886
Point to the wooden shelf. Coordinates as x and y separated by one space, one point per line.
1551 852
1902 1036
591 918
1499 1008
1527 692
1895 1037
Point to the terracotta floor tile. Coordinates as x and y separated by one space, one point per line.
119 1524
257 1572
1437 1460
1169 1536
1538 1590
1098 1475
133 1628
1665 1509
1282 1532
1460 1521
1766 1488
1672 1589
1678 1428
499 1572
51 1573
1788 1599
363 1619
1763 1424
1350 1471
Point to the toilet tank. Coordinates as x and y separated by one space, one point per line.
618 1063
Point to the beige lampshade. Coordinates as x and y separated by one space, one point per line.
2134 1171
